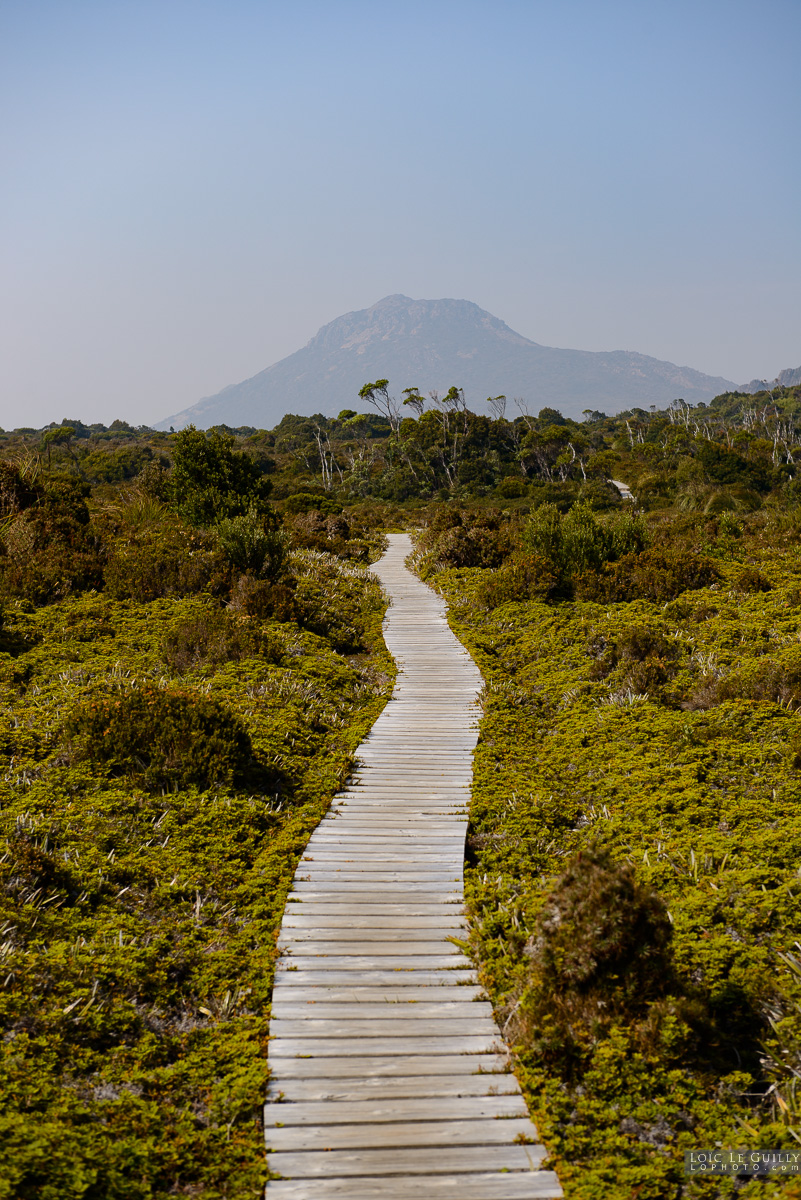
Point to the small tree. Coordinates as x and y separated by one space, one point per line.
212 480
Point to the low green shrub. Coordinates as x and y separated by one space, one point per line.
167 739
658 574
214 637
166 560
522 577
252 543
600 953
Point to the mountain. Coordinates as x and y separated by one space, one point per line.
791 377
436 344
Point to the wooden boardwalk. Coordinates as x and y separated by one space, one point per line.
389 1076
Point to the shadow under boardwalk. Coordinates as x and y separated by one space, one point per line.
389 1076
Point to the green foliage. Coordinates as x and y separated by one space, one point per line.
165 559
253 544
593 743
304 502
140 926
578 542
211 480
459 538
657 574
213 637
169 740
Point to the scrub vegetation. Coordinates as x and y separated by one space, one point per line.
190 652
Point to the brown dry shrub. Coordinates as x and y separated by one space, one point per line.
601 954
658 574
215 637
264 600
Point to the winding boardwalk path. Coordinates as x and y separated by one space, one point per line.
389 1076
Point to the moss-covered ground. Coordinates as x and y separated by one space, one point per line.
668 734
137 922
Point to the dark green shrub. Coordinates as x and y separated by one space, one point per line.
252 543
601 953
522 577
303 502
213 638
512 488
168 560
658 574
168 740
578 542
114 466
211 480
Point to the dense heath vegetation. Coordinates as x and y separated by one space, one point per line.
190 652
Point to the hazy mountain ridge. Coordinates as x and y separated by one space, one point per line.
790 377
435 344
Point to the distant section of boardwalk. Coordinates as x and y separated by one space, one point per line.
389 1076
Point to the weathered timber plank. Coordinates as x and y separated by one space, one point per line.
397 1135
407 1087
389 1066
352 1112
384 1047
328 920
422 952
380 977
518 1185
309 1025
399 1010
358 993
317 930
427 1160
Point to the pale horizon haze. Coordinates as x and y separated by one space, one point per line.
190 190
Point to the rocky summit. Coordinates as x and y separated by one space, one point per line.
437 344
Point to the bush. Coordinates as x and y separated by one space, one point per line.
750 580
579 542
261 599
522 577
658 574
645 658
214 637
253 544
457 538
167 740
601 953
211 480
304 502
769 681
51 549
169 560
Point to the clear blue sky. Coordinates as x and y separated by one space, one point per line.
190 188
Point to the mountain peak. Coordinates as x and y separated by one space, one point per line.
438 344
